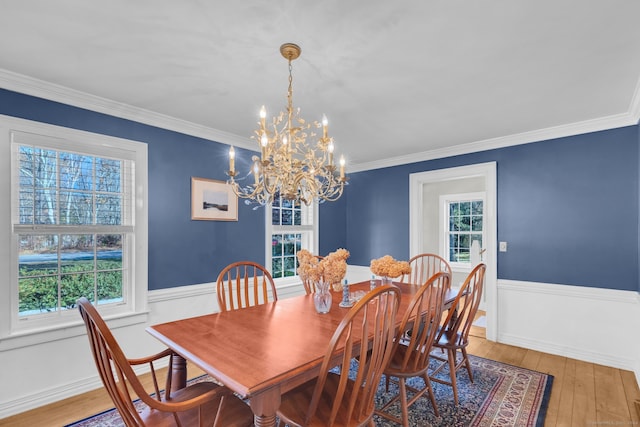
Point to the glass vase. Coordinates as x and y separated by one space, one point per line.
387 280
322 298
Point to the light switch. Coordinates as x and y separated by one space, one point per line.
503 246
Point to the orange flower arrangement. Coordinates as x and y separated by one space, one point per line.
387 266
330 269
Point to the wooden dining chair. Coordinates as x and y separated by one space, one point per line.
200 404
410 357
244 284
423 266
336 398
454 331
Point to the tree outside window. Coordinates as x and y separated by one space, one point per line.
289 230
72 209
465 225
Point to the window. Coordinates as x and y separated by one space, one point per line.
291 226
76 223
463 220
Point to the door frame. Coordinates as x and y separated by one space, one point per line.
488 172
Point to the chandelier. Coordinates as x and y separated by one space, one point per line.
295 163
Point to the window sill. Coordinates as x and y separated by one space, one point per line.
63 331
460 268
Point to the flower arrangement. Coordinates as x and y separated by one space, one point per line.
330 269
387 266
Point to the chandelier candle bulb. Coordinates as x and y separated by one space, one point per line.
263 115
342 161
256 173
232 159
325 123
330 148
264 141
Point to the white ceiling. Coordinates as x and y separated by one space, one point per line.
397 80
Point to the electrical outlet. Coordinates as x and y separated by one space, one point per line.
503 246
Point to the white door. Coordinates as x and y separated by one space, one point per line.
425 220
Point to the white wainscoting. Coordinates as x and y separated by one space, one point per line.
44 373
590 324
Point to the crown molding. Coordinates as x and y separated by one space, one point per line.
634 108
42 89
52 92
603 123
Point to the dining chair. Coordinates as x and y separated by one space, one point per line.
454 331
244 284
338 397
201 404
410 356
423 266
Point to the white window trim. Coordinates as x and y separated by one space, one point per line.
270 229
444 200
15 337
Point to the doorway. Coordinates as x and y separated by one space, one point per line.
423 227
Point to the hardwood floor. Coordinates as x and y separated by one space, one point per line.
583 394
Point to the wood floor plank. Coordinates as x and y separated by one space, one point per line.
565 418
479 347
632 392
584 399
611 401
531 360
513 355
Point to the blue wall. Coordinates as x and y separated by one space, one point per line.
181 251
567 207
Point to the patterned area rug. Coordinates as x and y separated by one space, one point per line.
501 395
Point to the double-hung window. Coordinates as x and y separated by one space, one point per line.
78 213
463 225
291 226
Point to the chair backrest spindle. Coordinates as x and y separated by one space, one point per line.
244 284
424 266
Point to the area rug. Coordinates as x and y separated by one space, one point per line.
500 395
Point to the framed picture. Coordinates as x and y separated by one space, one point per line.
213 200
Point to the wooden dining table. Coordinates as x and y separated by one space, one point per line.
264 351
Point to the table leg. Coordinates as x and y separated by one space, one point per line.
178 373
264 406
454 317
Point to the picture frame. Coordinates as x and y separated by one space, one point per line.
213 200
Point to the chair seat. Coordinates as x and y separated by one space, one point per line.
397 368
233 409
448 339
294 404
